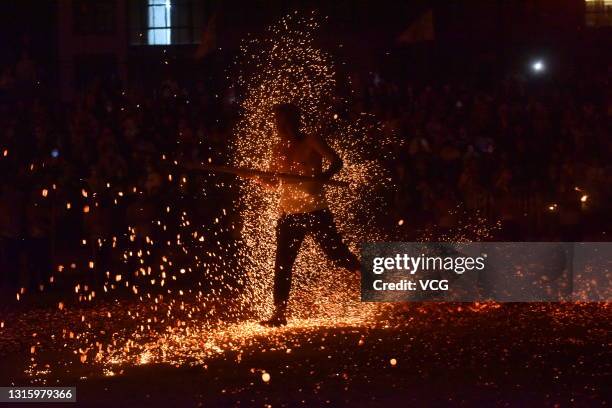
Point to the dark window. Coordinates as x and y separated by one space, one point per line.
598 13
94 17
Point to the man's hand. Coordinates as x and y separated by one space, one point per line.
318 144
323 177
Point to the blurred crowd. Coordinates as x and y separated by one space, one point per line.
75 177
530 152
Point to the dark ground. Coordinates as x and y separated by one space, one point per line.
446 355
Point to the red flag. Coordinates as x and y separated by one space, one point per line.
208 42
422 29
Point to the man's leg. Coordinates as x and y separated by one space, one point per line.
329 238
290 232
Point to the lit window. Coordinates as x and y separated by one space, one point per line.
160 32
165 22
598 13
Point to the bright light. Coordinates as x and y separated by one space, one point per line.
538 66
159 16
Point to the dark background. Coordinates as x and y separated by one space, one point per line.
508 144
86 104
80 39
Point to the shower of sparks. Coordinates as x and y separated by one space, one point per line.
195 298
201 292
286 67
471 227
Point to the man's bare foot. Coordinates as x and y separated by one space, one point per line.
278 319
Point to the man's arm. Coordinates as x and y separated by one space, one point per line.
321 146
271 183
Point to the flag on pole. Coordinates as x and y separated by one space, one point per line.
208 42
422 29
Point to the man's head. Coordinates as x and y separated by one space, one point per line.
287 118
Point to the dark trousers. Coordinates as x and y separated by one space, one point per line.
291 229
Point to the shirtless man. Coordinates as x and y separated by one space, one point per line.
303 208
